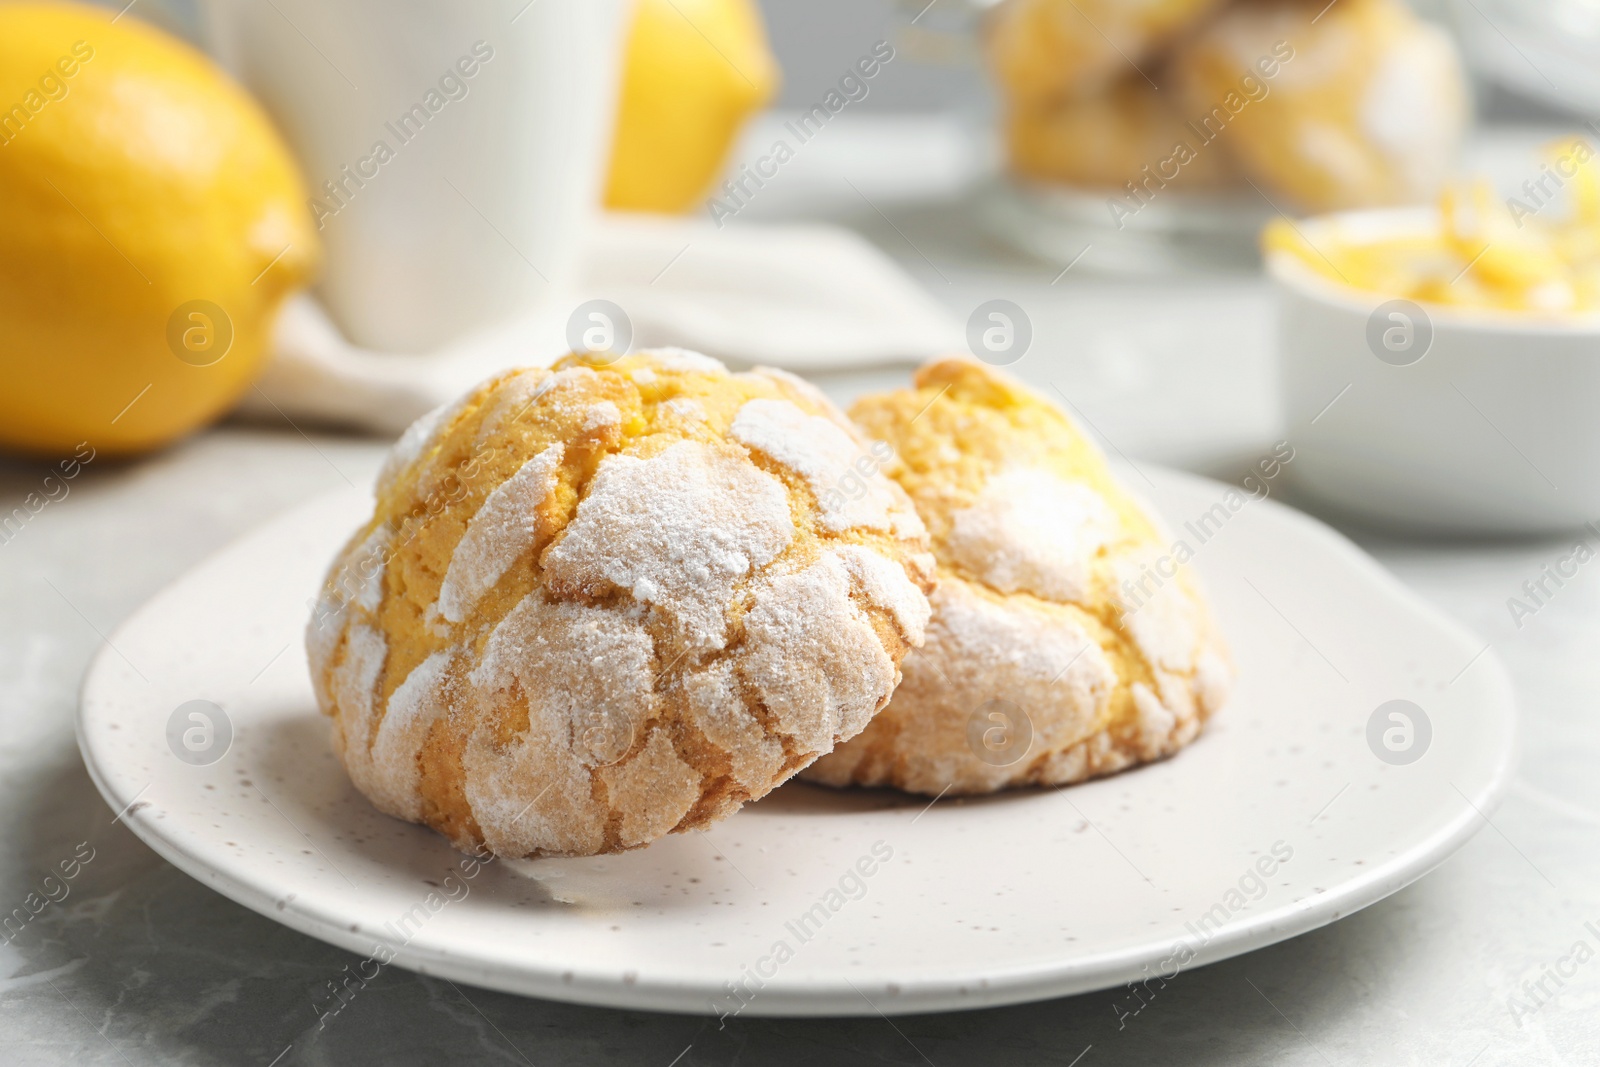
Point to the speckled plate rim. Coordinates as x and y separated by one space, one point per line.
571 982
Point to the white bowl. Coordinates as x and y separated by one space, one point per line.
1433 418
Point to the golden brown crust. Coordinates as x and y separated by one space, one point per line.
1053 654
598 604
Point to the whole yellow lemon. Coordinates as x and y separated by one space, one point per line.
694 70
151 223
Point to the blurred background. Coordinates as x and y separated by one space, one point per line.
1008 151
1021 151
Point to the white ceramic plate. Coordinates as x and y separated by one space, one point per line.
967 903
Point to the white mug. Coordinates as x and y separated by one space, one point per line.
454 152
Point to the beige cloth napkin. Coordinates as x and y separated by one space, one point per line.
801 297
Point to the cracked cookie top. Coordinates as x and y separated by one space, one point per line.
597 604
1068 638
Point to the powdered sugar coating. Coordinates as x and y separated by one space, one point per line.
824 455
330 618
353 592
370 562
1213 677
520 392
354 683
977 649
1046 658
653 791
510 521
815 657
532 795
533 791
1160 623
1155 720
412 710
885 584
416 439
717 709
687 408
1030 531
605 660
795 383
598 416
681 359
678 531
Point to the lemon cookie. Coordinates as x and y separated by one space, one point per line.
1126 134
600 604
1368 105
1061 646
1043 51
